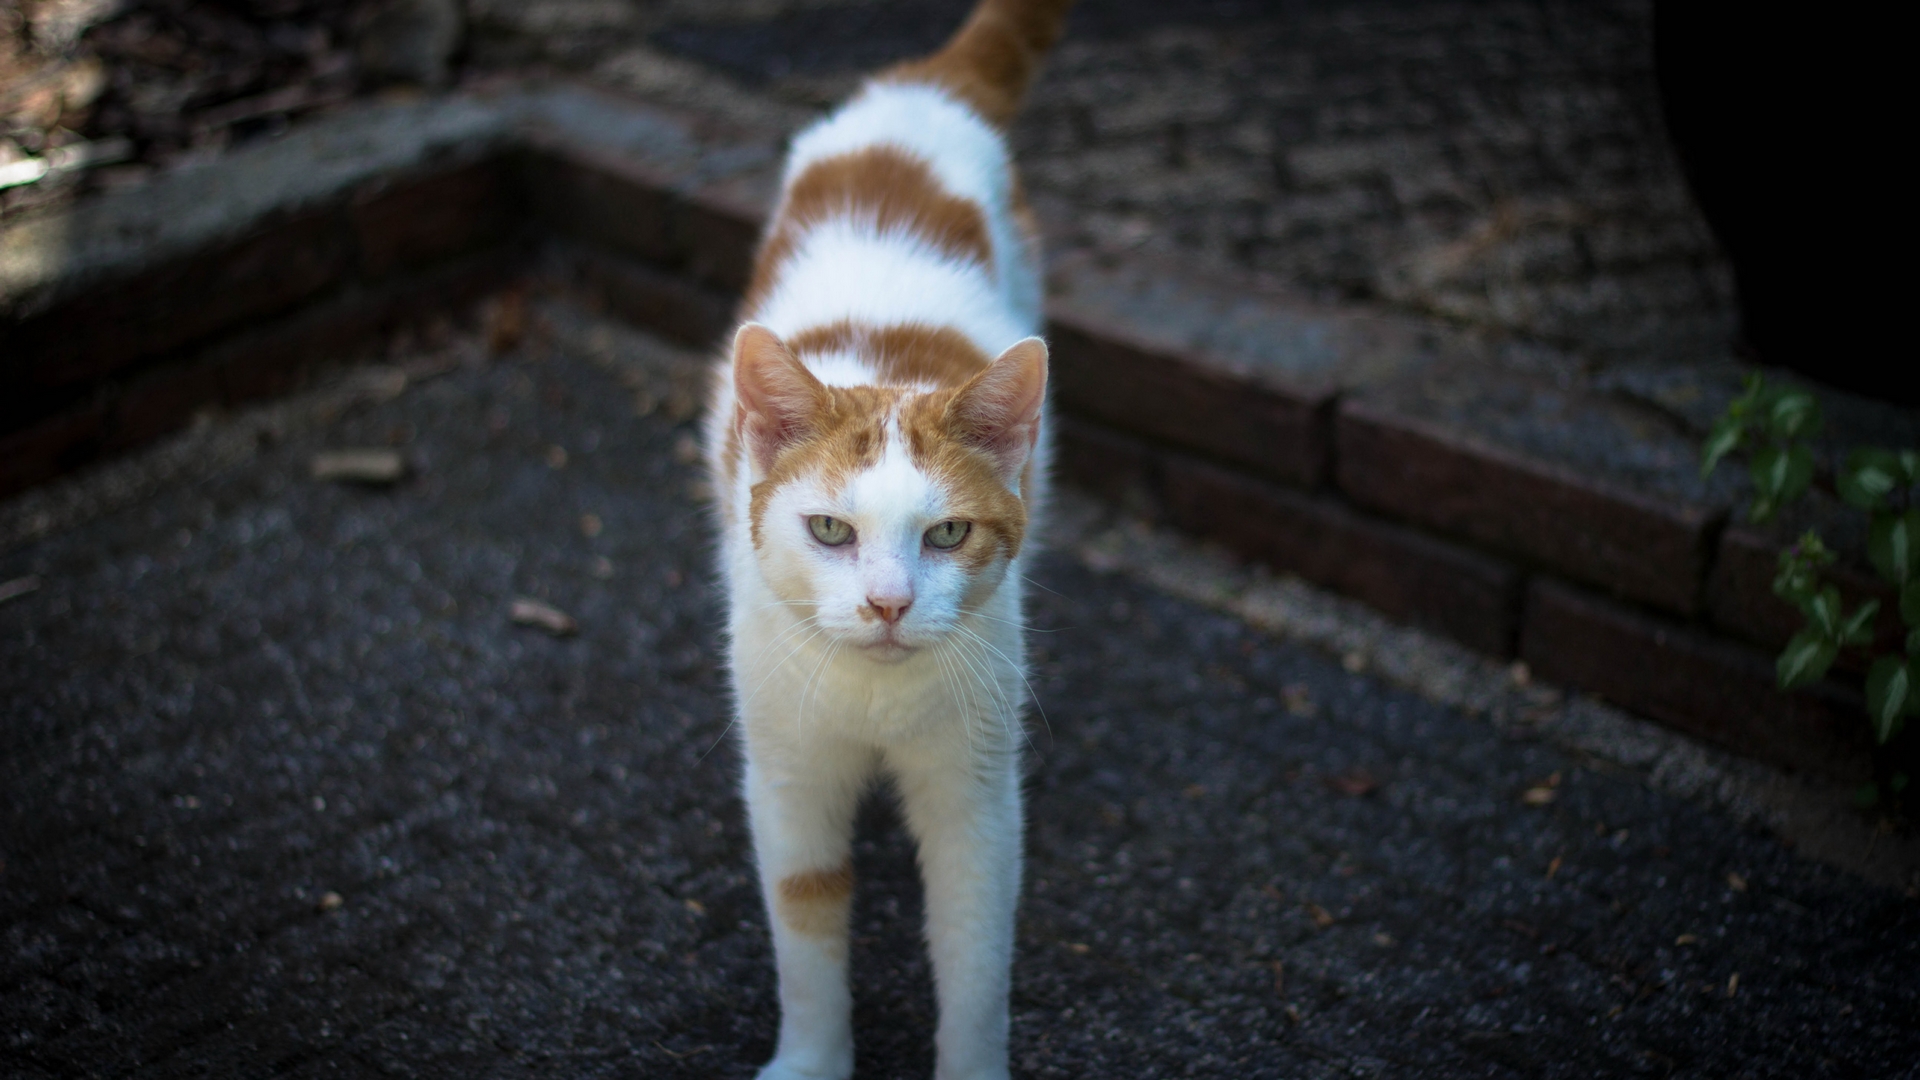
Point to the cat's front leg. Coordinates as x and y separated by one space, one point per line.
802 817
965 814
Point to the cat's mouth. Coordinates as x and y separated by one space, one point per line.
888 648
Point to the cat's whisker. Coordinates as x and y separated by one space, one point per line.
1004 710
1037 585
1010 622
960 707
776 668
1019 670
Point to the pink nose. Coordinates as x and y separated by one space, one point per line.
891 609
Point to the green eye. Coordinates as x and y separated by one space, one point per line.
830 531
948 534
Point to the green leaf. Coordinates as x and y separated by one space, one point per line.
1868 477
1910 602
1890 697
1909 466
1800 565
1780 475
1724 439
1858 630
1913 642
1867 795
1793 415
1805 659
1898 783
1891 544
1823 613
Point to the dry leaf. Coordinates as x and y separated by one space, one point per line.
364 466
18 587
1298 703
1354 782
1537 796
1685 939
1736 882
530 612
506 321
331 901
1321 917
1733 984
590 525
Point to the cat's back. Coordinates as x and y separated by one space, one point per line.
897 254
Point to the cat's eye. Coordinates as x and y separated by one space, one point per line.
830 531
948 534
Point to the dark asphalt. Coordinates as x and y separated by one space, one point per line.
285 793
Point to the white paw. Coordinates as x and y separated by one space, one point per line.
779 1069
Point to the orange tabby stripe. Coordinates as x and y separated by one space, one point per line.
883 184
993 58
906 354
815 902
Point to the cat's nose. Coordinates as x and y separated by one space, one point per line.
891 609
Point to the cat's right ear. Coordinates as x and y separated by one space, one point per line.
780 401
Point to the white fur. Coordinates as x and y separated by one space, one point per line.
844 268
827 706
967 156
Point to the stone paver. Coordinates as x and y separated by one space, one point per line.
283 792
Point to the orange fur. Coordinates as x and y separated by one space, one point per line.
883 184
908 354
993 59
815 903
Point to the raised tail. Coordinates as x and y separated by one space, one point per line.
994 57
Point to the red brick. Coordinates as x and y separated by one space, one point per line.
1115 467
161 401
1138 388
659 301
417 220
49 448
606 203
719 237
1690 680
1630 544
1466 595
1740 597
276 359
119 324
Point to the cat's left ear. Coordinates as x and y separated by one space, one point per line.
998 410
779 399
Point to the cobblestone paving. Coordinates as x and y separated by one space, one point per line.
284 792
1499 164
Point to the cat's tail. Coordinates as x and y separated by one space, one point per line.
994 57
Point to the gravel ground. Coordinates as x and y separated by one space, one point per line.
286 792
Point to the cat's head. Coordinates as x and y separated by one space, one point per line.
888 511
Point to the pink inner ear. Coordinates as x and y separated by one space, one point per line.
779 399
999 409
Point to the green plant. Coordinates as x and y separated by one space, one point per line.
1775 426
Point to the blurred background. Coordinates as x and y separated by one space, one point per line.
1503 164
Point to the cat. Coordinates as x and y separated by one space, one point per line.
877 440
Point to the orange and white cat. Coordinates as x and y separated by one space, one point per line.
877 440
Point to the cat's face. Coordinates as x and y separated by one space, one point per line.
887 513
